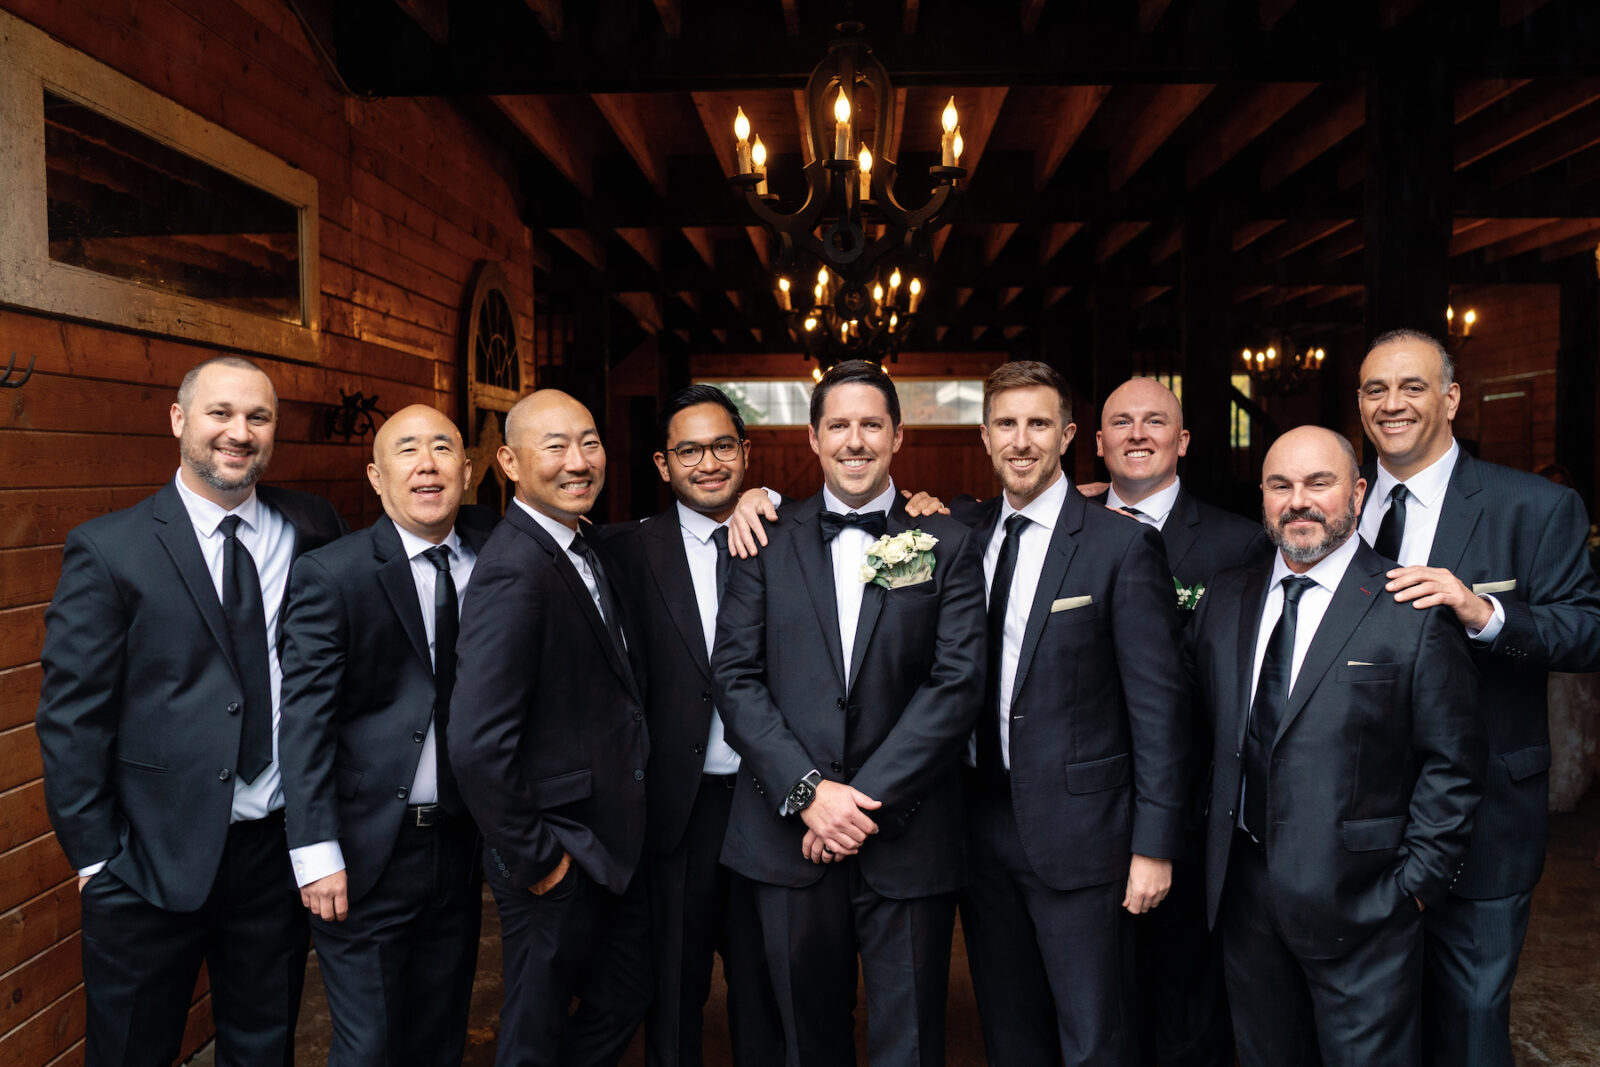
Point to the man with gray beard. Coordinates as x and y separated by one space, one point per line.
1348 761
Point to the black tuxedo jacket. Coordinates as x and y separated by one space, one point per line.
678 706
1202 539
547 734
138 715
1523 536
358 693
1099 710
1378 762
896 730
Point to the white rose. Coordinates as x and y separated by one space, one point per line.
868 573
894 552
924 542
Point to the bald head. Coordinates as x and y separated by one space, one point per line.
533 410
1333 449
554 455
420 471
411 423
1311 492
1141 438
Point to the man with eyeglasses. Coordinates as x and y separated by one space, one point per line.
674 565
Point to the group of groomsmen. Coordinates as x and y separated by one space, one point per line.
1308 813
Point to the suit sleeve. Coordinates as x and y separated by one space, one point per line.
316 637
755 724
931 734
80 703
1145 639
497 690
1555 624
1448 737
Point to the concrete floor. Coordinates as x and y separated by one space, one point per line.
1555 1015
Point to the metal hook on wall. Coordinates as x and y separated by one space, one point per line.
5 379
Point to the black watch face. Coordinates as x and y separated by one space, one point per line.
801 795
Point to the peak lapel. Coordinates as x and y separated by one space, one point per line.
816 566
394 574
872 597
1345 612
1057 560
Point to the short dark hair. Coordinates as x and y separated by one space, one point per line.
187 387
688 397
1447 366
1025 373
858 372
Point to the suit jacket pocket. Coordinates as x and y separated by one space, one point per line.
154 768
349 781
1373 835
1097 775
1524 763
1368 672
562 789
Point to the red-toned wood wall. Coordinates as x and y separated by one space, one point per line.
412 194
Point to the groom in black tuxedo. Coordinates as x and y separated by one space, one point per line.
850 705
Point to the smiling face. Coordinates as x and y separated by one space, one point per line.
225 433
553 453
1310 495
855 437
1403 407
711 486
1026 437
420 471
1141 438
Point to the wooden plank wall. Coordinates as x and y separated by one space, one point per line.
1512 349
411 196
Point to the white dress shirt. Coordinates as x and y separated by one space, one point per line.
1043 510
701 550
849 553
564 537
323 858
1153 509
1426 490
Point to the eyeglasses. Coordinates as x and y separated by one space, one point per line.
690 455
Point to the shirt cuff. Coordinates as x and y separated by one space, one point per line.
774 496
92 870
1492 628
316 861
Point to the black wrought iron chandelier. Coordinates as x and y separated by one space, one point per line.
1280 369
852 233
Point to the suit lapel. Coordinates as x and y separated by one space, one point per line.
816 567
1180 531
1057 558
872 597
1358 591
1252 599
669 566
394 574
178 536
1458 515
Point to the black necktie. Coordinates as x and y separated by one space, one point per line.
1392 530
446 628
608 600
990 764
1135 512
247 626
1272 693
875 523
724 560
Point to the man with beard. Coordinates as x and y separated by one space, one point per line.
1504 551
381 845
158 721
1077 793
548 743
1348 761
674 567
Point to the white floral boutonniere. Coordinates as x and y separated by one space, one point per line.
901 560
1189 595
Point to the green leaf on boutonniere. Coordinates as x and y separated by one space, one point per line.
1188 595
899 560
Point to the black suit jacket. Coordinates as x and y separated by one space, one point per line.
678 706
1202 539
547 734
1378 762
1099 710
358 693
138 712
1499 525
896 730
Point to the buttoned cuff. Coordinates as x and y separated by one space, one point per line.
311 862
1492 628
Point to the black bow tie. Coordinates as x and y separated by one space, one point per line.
875 523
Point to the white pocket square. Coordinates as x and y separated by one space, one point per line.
1357 663
1479 588
1068 603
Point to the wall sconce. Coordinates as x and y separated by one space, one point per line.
353 416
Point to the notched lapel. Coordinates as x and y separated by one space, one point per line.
177 536
1179 533
1057 561
1351 602
669 567
394 574
1458 516
1252 599
580 592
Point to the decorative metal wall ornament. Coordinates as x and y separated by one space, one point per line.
5 379
1279 369
491 377
353 417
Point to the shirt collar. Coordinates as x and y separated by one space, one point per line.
415 546
1157 505
563 534
883 502
207 515
1427 485
700 526
1329 570
1043 509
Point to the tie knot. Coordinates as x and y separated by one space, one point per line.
1294 587
1015 523
719 537
1399 492
230 526
581 545
439 556
872 523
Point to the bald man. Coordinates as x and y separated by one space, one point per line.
549 745
1348 764
381 843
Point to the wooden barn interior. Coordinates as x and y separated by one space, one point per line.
454 202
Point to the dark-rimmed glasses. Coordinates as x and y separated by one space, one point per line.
690 454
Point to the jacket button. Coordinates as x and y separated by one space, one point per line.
223 775
233 708
836 766
638 775
699 750
637 716
705 694
418 737
400 794
839 703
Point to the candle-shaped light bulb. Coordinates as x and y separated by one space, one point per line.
816 291
1469 318
1450 314
916 294
894 282
758 156
822 275
957 145
949 118
877 293
841 115
811 324
865 159
1272 353
783 293
894 320
741 131
1247 355
947 142
816 374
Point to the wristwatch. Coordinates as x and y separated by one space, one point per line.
803 793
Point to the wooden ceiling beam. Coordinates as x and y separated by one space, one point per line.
1327 294
1576 133
1053 295
1251 117
994 240
1009 294
645 308
431 16
1283 294
908 16
1166 246
644 240
1299 235
1150 12
1478 93
671 14
625 113
1246 233
1582 242
1492 231
1314 138
1145 294
1161 117
1245 292
584 243
1268 12
1054 239
1031 10
1072 107
700 239
1347 243
538 119
548 12
1535 239
1116 238
791 18
1535 109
